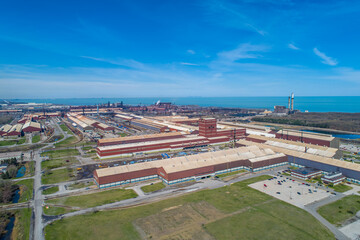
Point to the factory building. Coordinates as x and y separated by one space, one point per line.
305 173
208 135
5 129
140 138
305 159
104 127
147 124
182 169
305 137
334 178
15 130
31 126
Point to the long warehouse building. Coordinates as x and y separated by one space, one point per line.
208 135
186 168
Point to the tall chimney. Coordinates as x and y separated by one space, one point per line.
289 103
292 101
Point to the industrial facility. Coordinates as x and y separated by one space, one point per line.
182 169
208 135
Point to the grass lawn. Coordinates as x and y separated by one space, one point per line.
95 199
36 139
87 148
341 210
56 176
152 188
7 142
26 189
67 141
173 219
30 168
21 230
80 185
230 173
122 134
65 129
61 153
21 140
51 190
53 211
59 162
341 188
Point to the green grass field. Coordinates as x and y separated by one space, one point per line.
341 188
61 153
56 176
26 189
341 210
244 212
36 139
7 142
230 173
21 140
65 129
95 199
51 190
153 188
58 162
66 142
21 230
81 185
52 211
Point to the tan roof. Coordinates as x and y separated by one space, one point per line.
298 146
308 156
32 124
16 127
194 161
78 122
6 127
129 145
143 137
103 125
325 137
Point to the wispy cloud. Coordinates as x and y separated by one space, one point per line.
292 46
189 64
243 51
232 16
325 59
120 62
191 51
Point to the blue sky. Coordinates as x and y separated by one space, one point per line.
55 49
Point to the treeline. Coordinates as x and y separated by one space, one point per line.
339 121
296 122
5 119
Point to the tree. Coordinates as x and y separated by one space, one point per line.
12 170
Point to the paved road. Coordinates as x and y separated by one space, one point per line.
38 199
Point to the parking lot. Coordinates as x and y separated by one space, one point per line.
291 191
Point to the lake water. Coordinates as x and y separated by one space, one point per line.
21 172
312 104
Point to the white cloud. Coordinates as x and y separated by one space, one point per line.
191 51
244 51
292 46
189 64
326 60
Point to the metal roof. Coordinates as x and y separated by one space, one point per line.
320 136
303 155
183 163
143 137
6 128
138 144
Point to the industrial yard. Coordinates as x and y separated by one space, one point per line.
91 162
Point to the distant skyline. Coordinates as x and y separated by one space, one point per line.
67 49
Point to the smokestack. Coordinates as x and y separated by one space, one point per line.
292 101
289 103
98 109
